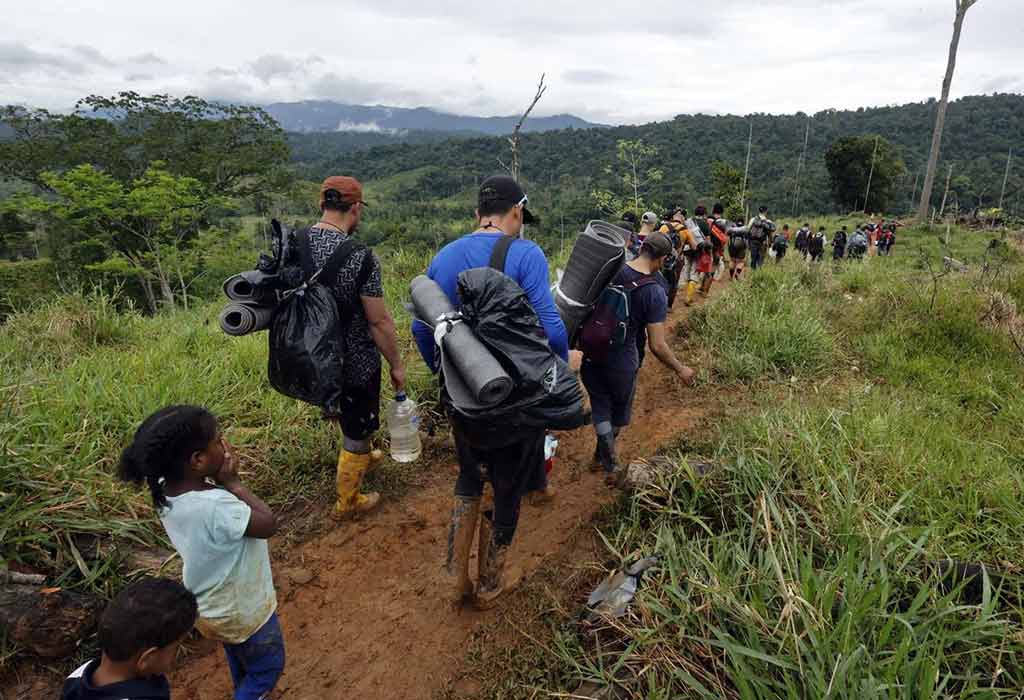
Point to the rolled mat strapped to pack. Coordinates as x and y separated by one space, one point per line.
252 286
597 256
241 318
473 377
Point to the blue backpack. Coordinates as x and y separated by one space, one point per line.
607 327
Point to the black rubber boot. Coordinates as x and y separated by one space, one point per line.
606 452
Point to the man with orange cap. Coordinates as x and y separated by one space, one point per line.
370 332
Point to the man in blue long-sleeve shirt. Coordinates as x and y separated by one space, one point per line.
512 454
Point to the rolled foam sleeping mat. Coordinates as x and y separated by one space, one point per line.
240 318
473 377
251 286
597 256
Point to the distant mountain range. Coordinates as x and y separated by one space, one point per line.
314 116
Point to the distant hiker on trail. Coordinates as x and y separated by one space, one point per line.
610 372
676 267
816 244
139 635
780 245
858 246
803 238
886 240
737 250
719 240
648 224
512 454
629 221
220 530
759 235
703 266
359 291
839 244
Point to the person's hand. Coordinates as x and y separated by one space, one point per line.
398 379
687 375
575 360
227 475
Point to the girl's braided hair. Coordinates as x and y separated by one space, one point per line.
163 445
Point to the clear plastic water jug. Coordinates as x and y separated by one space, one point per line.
404 429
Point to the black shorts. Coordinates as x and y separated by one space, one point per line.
360 409
737 249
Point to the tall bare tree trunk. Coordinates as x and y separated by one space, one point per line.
746 172
871 174
800 167
945 194
940 115
1006 176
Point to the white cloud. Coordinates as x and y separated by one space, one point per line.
604 61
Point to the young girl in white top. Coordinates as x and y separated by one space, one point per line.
220 529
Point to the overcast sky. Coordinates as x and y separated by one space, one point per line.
614 62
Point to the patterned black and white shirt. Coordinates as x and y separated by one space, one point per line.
362 358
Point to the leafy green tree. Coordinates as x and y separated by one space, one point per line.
727 188
633 174
142 231
14 234
229 149
855 162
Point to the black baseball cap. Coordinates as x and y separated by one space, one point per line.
502 189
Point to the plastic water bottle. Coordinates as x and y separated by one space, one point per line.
404 428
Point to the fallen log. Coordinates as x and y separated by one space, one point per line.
48 622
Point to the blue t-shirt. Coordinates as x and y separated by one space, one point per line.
647 304
525 264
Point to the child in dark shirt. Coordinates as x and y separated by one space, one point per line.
139 635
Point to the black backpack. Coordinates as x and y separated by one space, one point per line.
307 333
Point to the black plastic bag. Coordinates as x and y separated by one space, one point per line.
547 393
307 334
307 348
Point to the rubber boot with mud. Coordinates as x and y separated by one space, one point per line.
460 542
491 584
606 451
351 469
691 291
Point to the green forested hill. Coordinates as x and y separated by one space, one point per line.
979 132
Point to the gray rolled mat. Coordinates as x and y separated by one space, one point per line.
239 318
597 256
252 286
473 377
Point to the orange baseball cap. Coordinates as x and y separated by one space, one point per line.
349 190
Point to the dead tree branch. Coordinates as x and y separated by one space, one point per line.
514 139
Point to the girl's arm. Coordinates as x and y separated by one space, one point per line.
262 521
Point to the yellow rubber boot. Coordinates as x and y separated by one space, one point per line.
351 468
691 291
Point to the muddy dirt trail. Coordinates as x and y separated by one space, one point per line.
371 623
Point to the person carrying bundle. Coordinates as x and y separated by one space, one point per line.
368 333
513 454
719 240
816 245
759 234
633 307
676 267
839 244
802 240
737 250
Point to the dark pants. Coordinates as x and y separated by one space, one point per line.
511 458
780 253
672 277
257 663
837 253
756 255
360 409
611 393
816 255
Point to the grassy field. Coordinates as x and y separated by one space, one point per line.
876 441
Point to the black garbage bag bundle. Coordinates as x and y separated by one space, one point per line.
546 392
306 340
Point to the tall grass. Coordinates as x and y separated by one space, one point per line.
812 561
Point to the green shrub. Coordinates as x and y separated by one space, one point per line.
767 327
25 283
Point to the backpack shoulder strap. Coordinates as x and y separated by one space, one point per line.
500 252
305 252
